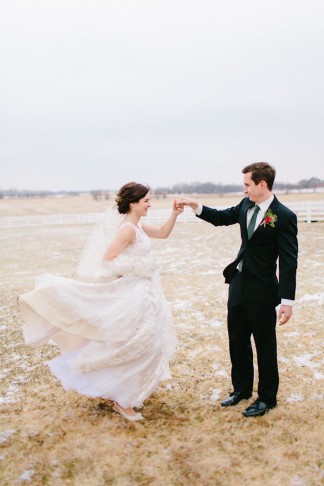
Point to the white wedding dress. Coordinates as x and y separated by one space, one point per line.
116 334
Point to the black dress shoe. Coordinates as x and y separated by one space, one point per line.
258 408
234 398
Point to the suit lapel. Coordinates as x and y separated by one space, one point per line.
273 206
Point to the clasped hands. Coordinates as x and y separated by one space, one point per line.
181 202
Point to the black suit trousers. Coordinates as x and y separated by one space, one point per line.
248 318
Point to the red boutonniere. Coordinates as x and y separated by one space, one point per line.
269 219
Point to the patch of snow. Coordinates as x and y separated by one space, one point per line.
10 398
306 360
6 434
194 352
185 326
295 397
317 297
27 475
318 375
14 357
181 304
199 316
4 373
209 272
213 349
317 396
216 394
221 373
215 323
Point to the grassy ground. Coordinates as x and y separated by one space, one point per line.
52 437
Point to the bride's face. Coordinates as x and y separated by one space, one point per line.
143 205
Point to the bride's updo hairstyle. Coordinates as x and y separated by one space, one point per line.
131 192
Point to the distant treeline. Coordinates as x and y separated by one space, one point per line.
184 188
210 188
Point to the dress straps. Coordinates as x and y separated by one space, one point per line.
128 224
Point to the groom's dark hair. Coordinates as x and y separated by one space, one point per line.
261 171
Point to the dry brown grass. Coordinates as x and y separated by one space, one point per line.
52 437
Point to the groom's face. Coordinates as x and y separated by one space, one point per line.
251 189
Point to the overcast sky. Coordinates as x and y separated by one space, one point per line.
97 93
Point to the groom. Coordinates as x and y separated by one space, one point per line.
269 233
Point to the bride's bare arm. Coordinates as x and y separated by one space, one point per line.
164 230
125 237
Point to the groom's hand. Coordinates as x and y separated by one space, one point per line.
183 201
178 203
284 314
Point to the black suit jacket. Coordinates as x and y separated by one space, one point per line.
266 246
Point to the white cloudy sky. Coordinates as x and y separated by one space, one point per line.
95 93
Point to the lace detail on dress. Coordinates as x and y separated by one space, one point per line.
136 259
120 266
95 356
141 236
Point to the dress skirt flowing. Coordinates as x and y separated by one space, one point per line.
116 334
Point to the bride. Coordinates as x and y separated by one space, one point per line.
111 322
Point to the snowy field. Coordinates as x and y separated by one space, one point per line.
49 436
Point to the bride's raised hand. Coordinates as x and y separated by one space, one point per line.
177 207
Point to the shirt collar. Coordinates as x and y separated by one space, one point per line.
265 204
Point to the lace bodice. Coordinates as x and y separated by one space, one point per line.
142 244
136 259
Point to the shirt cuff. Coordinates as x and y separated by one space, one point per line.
198 210
287 302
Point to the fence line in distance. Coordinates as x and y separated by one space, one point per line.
307 211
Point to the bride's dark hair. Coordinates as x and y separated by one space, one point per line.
130 193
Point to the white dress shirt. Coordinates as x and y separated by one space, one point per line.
264 206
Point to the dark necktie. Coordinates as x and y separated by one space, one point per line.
251 226
250 231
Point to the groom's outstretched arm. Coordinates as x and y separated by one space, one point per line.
214 216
